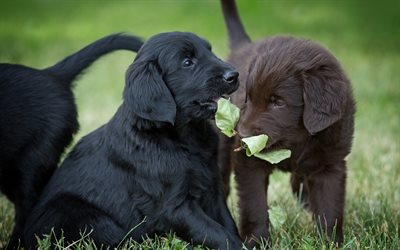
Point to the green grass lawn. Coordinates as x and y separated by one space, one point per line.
365 37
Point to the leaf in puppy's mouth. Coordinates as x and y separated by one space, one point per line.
274 156
255 144
226 117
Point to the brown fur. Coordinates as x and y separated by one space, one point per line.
296 92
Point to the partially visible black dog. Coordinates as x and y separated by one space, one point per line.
154 161
38 119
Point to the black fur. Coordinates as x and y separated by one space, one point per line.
155 160
38 119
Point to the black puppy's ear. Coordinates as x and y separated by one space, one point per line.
147 94
324 96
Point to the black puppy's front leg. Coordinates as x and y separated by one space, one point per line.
194 225
224 217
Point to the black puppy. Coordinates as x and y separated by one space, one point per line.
154 161
38 119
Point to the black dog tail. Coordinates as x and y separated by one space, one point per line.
236 32
70 67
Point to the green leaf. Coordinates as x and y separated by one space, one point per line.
226 117
275 156
254 144
277 216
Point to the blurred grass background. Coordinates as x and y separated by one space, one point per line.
364 36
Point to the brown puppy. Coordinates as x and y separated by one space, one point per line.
296 92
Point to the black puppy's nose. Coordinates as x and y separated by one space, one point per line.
231 76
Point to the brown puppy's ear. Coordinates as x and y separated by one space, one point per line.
147 94
324 96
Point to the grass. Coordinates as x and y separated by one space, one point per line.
363 35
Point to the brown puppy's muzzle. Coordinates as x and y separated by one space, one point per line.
244 131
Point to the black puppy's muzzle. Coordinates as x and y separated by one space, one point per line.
223 82
230 78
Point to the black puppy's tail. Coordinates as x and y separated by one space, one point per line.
236 32
70 67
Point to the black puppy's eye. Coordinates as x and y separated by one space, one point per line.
277 102
187 63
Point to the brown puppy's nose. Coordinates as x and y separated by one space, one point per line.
231 76
243 131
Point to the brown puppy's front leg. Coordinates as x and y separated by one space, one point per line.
327 193
224 161
251 175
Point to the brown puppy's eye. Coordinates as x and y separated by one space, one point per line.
187 63
276 102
